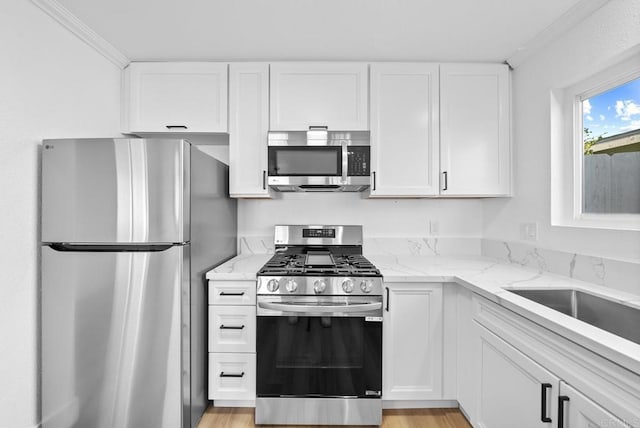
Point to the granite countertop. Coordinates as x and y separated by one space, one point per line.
489 278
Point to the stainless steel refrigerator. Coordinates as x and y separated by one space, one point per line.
129 229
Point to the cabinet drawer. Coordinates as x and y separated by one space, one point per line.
232 329
232 376
232 292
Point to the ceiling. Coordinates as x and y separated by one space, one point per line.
427 30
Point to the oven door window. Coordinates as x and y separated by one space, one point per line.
318 356
305 161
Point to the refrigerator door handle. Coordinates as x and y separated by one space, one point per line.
109 248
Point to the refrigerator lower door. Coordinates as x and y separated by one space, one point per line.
114 333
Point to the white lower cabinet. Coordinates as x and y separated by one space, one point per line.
232 376
577 411
412 342
232 328
232 341
467 350
531 377
513 390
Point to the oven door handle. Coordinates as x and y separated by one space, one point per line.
315 309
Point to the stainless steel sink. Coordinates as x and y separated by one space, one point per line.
614 317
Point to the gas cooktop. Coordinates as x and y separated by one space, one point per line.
311 263
319 260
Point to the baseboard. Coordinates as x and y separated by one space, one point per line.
63 416
419 404
465 414
386 404
234 403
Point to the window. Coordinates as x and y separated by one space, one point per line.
595 150
611 150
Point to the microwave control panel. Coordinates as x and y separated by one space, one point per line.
358 161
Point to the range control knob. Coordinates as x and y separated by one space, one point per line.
273 285
366 286
291 286
347 285
319 286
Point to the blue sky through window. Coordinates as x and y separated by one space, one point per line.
613 112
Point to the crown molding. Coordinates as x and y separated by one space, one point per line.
572 17
80 29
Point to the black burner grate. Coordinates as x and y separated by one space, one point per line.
293 263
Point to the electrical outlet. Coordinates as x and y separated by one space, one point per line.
529 231
434 227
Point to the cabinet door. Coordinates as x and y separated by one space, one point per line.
248 127
468 363
175 97
513 390
404 129
319 94
412 342
577 411
475 129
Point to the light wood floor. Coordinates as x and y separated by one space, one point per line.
234 417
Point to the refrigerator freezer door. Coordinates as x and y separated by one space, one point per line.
112 327
115 191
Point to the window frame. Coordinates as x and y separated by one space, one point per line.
567 149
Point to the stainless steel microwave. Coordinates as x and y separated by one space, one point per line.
319 160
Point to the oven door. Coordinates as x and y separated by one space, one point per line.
319 347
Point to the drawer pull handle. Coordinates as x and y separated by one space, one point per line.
231 327
223 374
224 293
176 127
543 401
561 400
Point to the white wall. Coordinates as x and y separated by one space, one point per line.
585 49
51 85
379 217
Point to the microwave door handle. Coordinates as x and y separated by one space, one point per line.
345 161
286 307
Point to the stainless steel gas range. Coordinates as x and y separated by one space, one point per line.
319 330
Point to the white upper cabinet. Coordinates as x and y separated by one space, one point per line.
248 127
175 97
475 130
404 129
319 94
